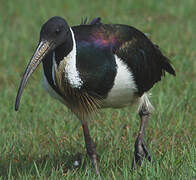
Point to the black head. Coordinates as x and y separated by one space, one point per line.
53 33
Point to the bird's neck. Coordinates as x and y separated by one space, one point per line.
69 83
66 68
64 49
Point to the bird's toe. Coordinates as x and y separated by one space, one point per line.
141 152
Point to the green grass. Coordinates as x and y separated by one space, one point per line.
42 140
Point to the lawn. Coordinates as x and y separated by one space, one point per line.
43 139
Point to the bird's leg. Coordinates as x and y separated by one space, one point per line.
90 146
141 150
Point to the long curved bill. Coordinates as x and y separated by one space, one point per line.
41 50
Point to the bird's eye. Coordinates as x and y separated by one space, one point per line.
57 31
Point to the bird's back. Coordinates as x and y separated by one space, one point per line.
98 44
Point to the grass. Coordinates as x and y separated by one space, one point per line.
43 139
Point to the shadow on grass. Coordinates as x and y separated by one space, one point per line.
47 164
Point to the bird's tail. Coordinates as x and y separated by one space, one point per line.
167 66
166 63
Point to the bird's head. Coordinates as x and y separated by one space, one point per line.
53 33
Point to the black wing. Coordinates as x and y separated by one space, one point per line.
144 59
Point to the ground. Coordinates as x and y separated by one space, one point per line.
43 139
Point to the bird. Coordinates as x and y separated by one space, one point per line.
92 66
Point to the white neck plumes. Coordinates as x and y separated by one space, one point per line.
71 72
53 64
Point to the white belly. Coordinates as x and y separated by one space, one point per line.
123 91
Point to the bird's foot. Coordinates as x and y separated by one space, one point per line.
91 151
141 152
95 164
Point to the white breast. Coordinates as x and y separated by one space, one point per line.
122 93
71 73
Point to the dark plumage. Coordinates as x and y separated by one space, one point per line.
143 58
96 65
